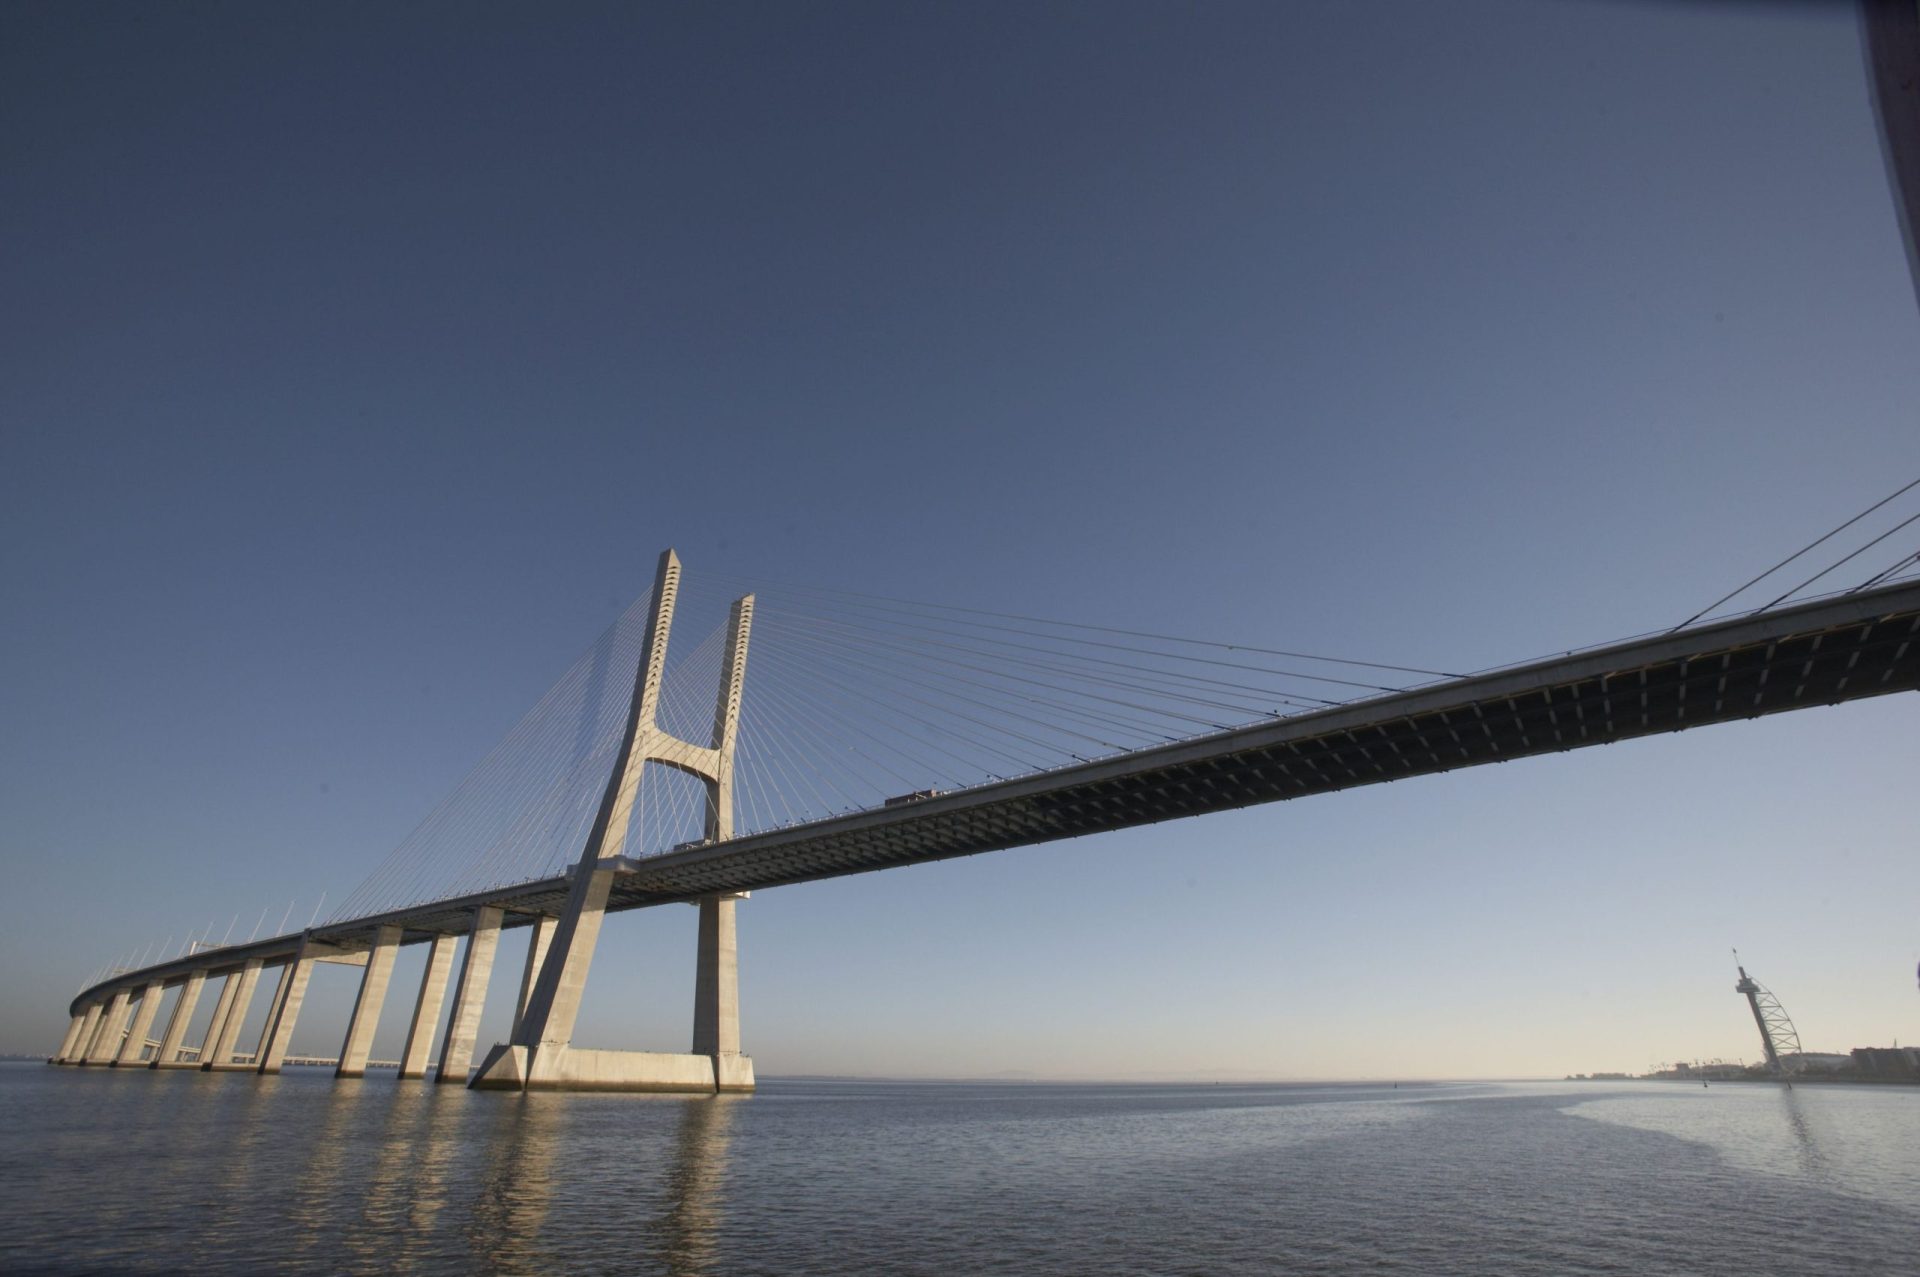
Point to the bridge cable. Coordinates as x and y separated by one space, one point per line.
1904 523
880 602
1796 554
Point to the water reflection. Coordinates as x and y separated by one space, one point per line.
391 1180
691 1225
322 1184
358 1176
516 1186
249 1126
1806 1147
439 1153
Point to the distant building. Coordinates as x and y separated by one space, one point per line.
1887 1061
1709 1071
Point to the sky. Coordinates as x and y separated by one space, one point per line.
362 358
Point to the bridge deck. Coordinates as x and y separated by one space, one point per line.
1822 653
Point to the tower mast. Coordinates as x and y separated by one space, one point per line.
1778 1037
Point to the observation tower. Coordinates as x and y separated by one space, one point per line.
1778 1037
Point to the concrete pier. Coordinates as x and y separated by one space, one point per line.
366 1007
537 945
221 1007
106 1038
168 1054
539 1046
89 1026
282 982
275 1038
426 1007
66 1043
716 996
222 1044
470 996
136 1045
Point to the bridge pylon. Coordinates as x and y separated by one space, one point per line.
541 1054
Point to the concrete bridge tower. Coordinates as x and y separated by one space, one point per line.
541 1054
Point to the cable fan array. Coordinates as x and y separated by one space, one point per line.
849 700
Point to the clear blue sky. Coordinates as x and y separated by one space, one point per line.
361 358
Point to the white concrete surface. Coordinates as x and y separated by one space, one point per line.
426 1006
469 996
366 1007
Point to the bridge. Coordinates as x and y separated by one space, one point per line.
1050 688
914 689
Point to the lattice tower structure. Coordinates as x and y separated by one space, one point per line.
1778 1037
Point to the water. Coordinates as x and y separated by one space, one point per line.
116 1171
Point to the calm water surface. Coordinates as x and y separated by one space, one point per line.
117 1171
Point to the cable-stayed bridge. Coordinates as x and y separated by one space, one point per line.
880 732
873 733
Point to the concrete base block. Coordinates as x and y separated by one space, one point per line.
564 1068
174 1064
734 1072
504 1069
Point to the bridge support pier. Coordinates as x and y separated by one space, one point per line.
224 1037
167 1056
366 1007
716 996
282 984
66 1043
222 1006
537 945
469 996
89 1029
130 1054
426 1007
540 1054
106 1038
276 1038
